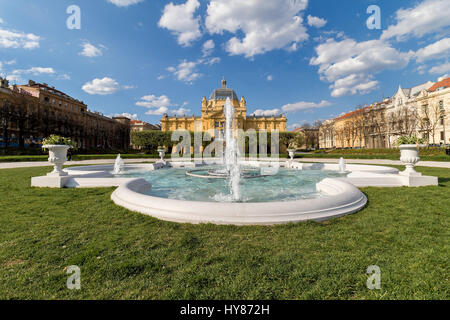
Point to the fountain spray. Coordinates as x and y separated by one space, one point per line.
231 152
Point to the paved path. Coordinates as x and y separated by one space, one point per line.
436 164
11 165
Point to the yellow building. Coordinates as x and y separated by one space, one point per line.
213 117
349 129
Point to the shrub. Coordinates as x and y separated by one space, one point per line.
151 140
409 140
58 140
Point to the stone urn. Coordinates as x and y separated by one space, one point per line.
57 156
409 155
162 153
291 153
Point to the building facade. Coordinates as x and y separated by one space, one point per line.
327 135
31 112
349 129
139 126
423 110
212 117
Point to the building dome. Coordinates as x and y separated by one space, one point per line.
223 93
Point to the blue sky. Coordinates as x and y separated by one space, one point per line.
308 59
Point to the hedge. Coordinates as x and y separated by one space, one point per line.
151 140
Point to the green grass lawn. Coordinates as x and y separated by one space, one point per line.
126 255
369 156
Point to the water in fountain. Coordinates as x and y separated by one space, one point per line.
231 152
118 165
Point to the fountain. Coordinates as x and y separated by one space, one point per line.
342 165
118 165
231 169
162 153
231 152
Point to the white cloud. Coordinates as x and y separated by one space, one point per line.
157 112
124 3
185 71
160 105
180 20
316 21
64 77
180 111
267 25
152 101
14 78
35 71
427 17
10 62
353 84
211 61
15 39
91 51
350 64
133 116
439 49
103 86
303 105
269 77
1 21
208 48
440 69
267 113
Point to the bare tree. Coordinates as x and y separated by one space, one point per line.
5 118
340 134
348 133
429 119
402 121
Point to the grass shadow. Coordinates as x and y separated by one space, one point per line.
443 182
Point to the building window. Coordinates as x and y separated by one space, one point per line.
442 120
441 105
442 136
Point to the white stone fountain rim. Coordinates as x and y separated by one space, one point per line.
341 194
342 199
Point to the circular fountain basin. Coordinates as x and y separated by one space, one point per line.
256 185
297 192
342 199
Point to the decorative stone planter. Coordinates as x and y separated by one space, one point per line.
57 156
291 153
409 155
